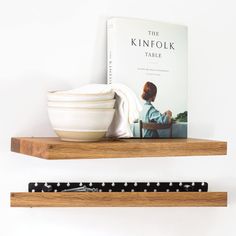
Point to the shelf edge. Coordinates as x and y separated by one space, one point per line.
53 149
170 199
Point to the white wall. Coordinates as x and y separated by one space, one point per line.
52 44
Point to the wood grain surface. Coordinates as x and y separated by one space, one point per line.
85 199
54 148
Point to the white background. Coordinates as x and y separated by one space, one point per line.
55 44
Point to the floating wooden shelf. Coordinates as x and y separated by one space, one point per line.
170 199
53 148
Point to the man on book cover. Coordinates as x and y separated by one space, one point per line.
150 113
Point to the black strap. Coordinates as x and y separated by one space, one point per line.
119 187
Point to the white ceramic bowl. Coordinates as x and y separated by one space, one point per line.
94 104
80 120
61 96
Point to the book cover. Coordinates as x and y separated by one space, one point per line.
150 58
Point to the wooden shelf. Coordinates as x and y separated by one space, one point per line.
53 148
170 199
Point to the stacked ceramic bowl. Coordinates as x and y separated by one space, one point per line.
83 114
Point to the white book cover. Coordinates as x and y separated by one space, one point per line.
150 58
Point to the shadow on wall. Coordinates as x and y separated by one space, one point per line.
99 61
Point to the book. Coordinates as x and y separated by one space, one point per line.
150 58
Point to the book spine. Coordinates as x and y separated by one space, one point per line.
110 50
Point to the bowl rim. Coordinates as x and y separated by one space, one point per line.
52 92
95 101
82 108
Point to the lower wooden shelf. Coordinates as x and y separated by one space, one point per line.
125 199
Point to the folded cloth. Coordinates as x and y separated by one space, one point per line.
127 111
127 106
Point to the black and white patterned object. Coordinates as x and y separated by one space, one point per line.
119 187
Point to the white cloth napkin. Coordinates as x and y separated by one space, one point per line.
127 111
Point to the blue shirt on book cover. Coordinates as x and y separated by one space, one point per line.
151 114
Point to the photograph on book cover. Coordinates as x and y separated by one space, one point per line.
150 58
